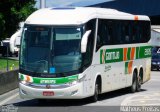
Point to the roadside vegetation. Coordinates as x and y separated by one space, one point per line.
12 12
12 64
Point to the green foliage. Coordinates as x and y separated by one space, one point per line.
2 22
11 13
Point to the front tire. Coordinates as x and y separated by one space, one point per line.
94 98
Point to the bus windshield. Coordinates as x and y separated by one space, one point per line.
50 50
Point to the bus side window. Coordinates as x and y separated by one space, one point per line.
118 33
103 37
126 33
133 33
111 35
145 31
100 34
98 43
139 33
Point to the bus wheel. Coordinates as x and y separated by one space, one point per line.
138 88
134 82
139 81
94 98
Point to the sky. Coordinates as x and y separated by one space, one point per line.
60 3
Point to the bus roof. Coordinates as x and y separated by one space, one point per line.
77 15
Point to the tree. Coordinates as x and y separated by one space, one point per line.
2 22
13 12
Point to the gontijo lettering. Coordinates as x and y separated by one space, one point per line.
147 51
112 55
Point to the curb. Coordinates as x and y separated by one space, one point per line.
8 81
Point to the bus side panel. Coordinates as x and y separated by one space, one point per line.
106 77
137 64
145 64
147 71
104 71
87 82
112 73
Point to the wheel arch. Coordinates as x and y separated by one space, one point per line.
135 69
141 72
99 78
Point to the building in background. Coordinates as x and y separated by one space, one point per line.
150 8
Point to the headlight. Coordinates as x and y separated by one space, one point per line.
25 79
72 83
25 82
158 63
80 79
154 63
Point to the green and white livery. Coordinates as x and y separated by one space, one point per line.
74 53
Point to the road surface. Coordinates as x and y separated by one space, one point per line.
108 102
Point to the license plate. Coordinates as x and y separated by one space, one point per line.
48 93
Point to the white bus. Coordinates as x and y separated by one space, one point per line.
15 40
74 53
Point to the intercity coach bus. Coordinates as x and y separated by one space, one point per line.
79 52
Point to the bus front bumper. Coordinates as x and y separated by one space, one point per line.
72 92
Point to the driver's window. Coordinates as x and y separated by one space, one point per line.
90 45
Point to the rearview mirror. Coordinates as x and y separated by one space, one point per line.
84 41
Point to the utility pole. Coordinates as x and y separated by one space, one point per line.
42 4
7 57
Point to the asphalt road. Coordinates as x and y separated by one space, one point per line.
108 102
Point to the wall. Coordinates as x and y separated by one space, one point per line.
8 81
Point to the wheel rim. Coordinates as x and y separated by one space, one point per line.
139 83
139 80
96 92
134 85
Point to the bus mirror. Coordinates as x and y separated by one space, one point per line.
84 41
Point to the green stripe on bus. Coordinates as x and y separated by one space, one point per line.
116 55
129 54
62 80
102 58
137 52
111 55
145 52
126 67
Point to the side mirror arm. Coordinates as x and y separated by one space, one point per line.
84 41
